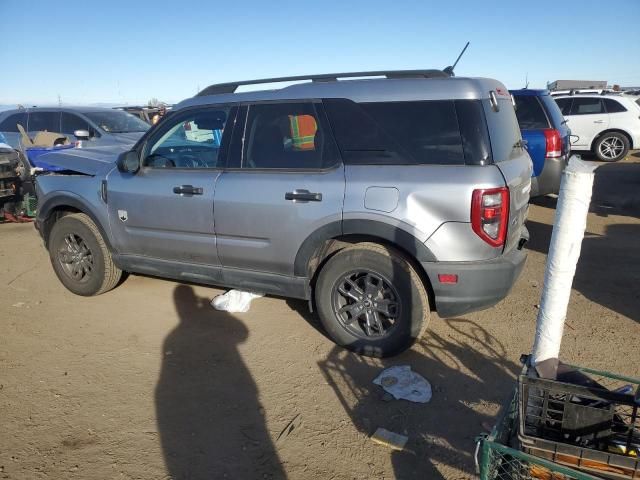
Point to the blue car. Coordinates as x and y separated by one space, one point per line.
546 134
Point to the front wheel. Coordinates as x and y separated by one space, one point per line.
611 147
371 300
80 257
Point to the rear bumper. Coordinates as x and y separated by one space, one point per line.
480 284
549 179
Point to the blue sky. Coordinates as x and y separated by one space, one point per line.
130 51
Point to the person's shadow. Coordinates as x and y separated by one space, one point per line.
210 420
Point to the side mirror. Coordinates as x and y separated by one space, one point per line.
82 134
129 162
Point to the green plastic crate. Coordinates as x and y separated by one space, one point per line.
496 459
29 205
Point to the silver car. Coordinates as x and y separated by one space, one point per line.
375 199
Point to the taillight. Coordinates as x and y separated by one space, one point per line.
554 142
490 214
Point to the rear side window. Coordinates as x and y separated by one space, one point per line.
530 113
44 122
564 104
613 107
418 133
506 140
10 123
289 136
586 106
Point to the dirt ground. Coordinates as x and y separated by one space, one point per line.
149 382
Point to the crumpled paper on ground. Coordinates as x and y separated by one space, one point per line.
403 383
234 301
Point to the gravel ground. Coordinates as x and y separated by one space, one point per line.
149 382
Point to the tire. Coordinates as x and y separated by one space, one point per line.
611 147
371 326
80 257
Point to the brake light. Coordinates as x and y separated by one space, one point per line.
490 214
554 142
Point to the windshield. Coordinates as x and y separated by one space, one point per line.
117 122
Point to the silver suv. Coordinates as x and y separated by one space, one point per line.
377 200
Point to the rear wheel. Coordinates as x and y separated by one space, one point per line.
371 300
611 147
80 257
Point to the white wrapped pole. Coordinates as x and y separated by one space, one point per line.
568 231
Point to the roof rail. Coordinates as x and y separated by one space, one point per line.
231 87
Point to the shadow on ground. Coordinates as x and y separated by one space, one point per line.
608 272
465 373
209 416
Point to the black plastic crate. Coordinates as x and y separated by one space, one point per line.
587 419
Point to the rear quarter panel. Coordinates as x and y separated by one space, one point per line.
431 202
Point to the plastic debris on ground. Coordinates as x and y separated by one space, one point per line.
392 440
403 383
234 301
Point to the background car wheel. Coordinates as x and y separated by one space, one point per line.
371 300
611 147
80 257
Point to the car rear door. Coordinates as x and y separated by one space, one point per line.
586 119
165 210
285 181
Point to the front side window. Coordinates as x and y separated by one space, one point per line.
530 113
586 106
287 135
44 121
613 106
192 140
117 121
70 123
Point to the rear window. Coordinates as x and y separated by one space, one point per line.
414 133
506 140
530 113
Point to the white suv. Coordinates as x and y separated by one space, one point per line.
607 125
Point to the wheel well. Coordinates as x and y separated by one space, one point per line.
333 245
53 216
612 130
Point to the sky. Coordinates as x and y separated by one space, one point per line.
127 52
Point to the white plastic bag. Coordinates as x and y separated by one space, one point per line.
401 382
234 301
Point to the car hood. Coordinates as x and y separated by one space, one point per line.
88 161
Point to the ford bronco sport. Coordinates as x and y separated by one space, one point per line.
376 199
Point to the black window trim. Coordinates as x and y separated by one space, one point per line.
239 132
167 123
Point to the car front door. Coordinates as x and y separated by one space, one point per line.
586 119
286 180
165 210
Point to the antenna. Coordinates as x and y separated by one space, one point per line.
526 80
450 68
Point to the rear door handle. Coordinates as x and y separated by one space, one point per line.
188 190
303 196
598 121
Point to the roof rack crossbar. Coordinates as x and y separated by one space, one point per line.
231 87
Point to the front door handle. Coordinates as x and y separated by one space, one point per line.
303 196
188 190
